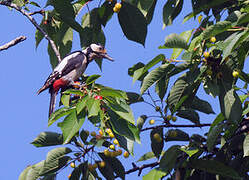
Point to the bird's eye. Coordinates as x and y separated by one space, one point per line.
100 48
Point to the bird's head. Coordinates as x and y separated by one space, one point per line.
97 51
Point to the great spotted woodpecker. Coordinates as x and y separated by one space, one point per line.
70 69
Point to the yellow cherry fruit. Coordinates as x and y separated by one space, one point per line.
118 5
101 132
212 39
152 121
115 141
107 153
102 164
112 147
126 154
72 164
111 135
206 54
235 74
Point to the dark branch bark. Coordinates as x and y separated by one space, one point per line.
12 43
140 168
33 21
176 125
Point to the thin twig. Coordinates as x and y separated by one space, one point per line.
37 12
177 125
12 43
140 168
33 21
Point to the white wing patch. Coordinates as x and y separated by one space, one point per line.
64 62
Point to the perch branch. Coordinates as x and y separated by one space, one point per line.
12 43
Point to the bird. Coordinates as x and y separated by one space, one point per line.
70 69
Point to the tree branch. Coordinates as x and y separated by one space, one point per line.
33 21
176 125
140 169
12 43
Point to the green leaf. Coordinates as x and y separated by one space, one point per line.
169 158
219 118
105 12
133 23
28 174
161 87
215 29
81 104
189 151
230 103
189 114
175 41
107 172
155 75
47 139
146 156
171 10
115 164
55 160
65 99
135 67
74 91
184 89
157 143
125 143
123 127
214 167
107 91
177 51
147 7
58 114
133 98
244 18
91 79
93 107
176 135
71 125
202 106
246 146
66 12
155 174
75 174
140 73
84 135
140 121
234 43
213 135
121 109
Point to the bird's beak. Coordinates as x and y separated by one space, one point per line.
105 55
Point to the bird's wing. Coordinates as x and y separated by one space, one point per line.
71 62
68 63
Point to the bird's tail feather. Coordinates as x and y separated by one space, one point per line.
52 102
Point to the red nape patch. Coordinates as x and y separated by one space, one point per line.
59 84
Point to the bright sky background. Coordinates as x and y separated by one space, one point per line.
24 69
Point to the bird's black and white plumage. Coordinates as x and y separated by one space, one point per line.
70 69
